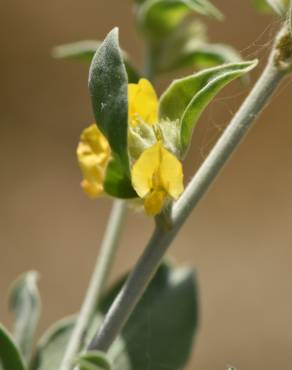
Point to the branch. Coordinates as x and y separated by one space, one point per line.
277 67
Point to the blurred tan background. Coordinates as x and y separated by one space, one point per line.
240 236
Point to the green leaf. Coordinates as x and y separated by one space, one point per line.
10 358
85 50
157 18
165 318
93 360
51 347
24 302
108 85
115 182
185 99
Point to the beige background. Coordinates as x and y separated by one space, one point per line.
240 236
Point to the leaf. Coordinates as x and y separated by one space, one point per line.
185 99
116 184
85 50
165 318
93 360
51 347
157 18
10 358
24 302
108 85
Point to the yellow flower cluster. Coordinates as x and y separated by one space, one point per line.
157 174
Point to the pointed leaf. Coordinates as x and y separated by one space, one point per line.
185 99
108 85
10 358
159 17
24 302
85 50
93 360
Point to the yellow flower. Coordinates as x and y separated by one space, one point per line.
143 103
93 153
157 176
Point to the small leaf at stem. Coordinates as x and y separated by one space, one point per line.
24 302
186 98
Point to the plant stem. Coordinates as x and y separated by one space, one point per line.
147 265
149 65
97 283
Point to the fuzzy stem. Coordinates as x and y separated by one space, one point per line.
162 237
97 283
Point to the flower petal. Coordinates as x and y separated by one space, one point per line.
154 202
93 153
171 174
143 103
144 170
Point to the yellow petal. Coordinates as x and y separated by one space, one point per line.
93 153
154 202
171 174
92 189
144 169
143 103
157 175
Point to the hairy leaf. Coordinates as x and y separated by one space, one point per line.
185 99
108 85
24 302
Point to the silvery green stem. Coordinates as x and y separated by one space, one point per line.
97 283
148 263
